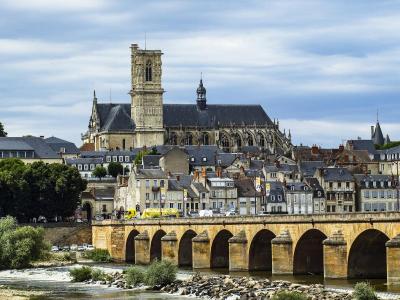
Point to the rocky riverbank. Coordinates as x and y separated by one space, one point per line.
245 288
17 294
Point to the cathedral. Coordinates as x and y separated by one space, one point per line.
146 121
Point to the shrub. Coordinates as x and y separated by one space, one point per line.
81 274
289 296
20 245
160 273
134 276
99 275
364 291
98 255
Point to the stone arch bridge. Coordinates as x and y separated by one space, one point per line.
353 245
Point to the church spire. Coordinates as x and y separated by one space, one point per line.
201 95
94 96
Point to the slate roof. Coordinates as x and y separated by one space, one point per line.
56 144
225 159
256 164
84 160
367 145
245 188
104 193
173 185
151 173
199 152
276 188
381 180
151 161
117 117
37 144
336 174
200 187
298 187
284 168
377 137
308 168
314 184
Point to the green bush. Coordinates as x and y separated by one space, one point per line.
81 274
160 273
99 275
289 296
20 245
364 291
134 276
98 255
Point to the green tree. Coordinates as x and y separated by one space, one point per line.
2 131
20 245
115 169
99 172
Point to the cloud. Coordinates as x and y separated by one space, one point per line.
54 6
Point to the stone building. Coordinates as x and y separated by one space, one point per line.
275 198
339 188
146 121
299 198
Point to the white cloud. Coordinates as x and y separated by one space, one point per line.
54 5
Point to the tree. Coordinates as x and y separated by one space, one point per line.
99 172
115 169
2 132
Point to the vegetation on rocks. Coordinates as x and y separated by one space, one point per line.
160 273
134 276
98 255
81 274
364 291
19 246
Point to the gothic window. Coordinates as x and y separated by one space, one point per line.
238 140
188 140
225 142
149 75
250 141
173 139
261 140
206 139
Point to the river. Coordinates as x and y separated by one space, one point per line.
56 283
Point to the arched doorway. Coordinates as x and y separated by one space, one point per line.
309 253
220 250
186 248
260 255
367 257
130 246
87 210
155 248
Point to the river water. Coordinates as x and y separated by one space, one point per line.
56 282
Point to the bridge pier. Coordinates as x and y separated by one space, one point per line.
393 260
238 258
142 249
335 256
282 254
169 247
201 251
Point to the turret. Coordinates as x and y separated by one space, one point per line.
201 96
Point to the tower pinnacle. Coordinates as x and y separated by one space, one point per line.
201 95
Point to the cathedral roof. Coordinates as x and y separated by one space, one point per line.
377 137
117 117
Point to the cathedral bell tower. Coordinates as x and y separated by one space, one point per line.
147 97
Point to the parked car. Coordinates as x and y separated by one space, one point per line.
55 249
193 214
85 245
90 247
74 247
206 213
231 213
262 213
81 248
42 219
65 248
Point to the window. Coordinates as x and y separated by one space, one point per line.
203 195
104 208
179 206
348 185
366 194
279 197
339 185
92 167
121 159
382 194
279 208
273 208
162 183
204 159
330 184
123 144
149 75
147 196
80 167
155 183
171 205
272 198
319 193
374 194
115 158
192 159
126 158
137 183
147 183
85 167
108 158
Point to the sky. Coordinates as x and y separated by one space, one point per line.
323 68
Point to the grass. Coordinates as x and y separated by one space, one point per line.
98 255
81 274
160 273
134 276
364 291
289 296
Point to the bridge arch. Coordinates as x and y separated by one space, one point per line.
260 253
367 256
220 250
155 247
185 251
130 246
309 253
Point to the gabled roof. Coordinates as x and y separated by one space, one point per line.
308 168
245 188
151 161
367 145
115 117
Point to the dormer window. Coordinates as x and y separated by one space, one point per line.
192 159
149 75
204 159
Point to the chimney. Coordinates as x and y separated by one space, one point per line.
277 163
341 148
219 172
169 174
196 175
178 177
203 172
241 170
372 131
42 136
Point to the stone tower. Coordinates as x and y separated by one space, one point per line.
147 96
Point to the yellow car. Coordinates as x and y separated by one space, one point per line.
130 214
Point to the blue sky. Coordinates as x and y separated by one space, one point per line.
322 67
